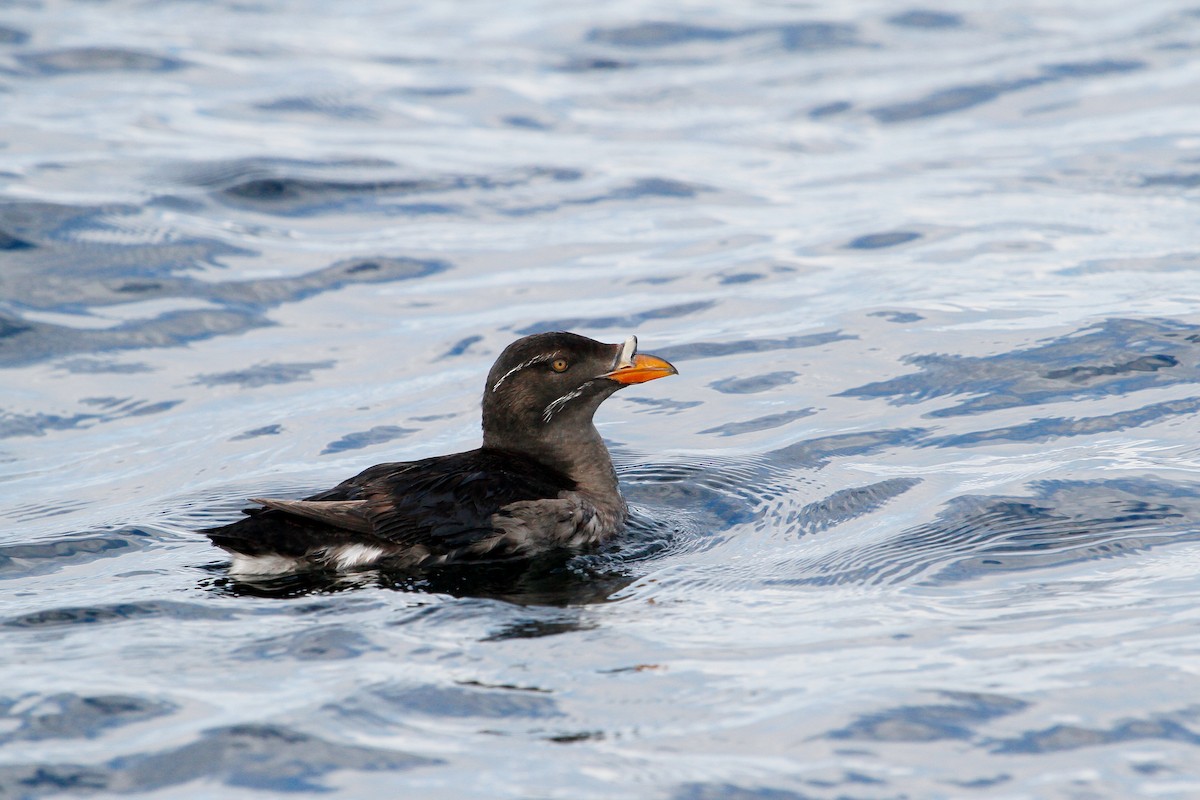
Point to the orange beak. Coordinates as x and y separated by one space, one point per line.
644 368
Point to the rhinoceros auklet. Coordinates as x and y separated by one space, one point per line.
542 480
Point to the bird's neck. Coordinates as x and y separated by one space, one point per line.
588 463
582 457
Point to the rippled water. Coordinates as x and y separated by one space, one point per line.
920 516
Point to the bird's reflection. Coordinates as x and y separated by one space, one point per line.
564 579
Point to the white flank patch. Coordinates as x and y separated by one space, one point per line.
265 565
556 405
349 556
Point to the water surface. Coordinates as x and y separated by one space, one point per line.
920 516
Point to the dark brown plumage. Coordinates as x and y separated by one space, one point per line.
542 480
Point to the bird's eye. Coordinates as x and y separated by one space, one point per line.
559 365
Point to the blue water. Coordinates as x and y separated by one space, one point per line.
919 517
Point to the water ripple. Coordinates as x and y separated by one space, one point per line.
959 98
257 757
97 60
693 350
72 716
1063 522
1114 357
954 718
38 558
110 613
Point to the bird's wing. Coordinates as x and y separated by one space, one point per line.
449 502
440 503
350 515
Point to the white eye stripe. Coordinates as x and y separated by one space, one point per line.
519 367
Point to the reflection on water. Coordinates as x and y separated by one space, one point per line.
546 581
917 519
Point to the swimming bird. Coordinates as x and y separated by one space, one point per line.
543 479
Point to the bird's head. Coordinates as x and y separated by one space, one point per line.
544 388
